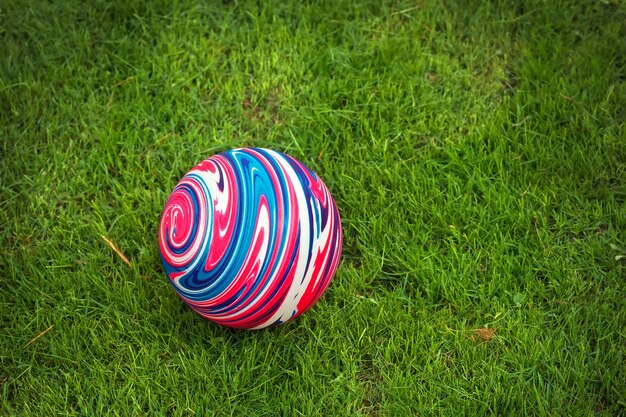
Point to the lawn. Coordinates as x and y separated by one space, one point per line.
476 151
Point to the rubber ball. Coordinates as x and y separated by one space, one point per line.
250 238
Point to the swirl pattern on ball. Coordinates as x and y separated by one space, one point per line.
250 238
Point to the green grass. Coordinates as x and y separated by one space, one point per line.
477 153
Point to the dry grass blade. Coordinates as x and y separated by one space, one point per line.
116 250
132 77
34 339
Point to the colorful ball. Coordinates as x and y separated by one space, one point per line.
250 238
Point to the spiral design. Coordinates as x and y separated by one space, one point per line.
250 238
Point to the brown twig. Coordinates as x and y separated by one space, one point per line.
116 250
31 341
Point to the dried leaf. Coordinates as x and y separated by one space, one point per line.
485 334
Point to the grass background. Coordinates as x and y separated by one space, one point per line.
477 153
